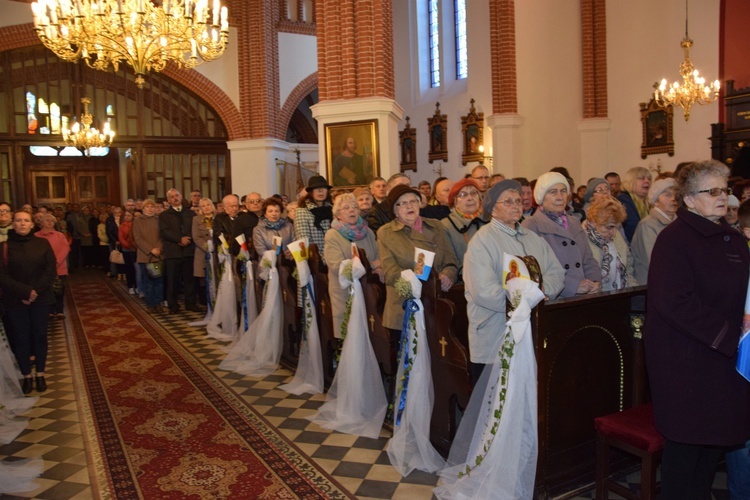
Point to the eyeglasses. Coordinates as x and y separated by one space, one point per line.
407 203
716 192
254 201
465 194
348 207
602 190
511 202
4 211
482 178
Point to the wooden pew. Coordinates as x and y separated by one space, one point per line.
292 315
447 326
590 363
328 342
383 343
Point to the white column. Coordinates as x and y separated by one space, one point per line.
254 164
506 145
594 134
386 111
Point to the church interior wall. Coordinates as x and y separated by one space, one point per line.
224 72
298 58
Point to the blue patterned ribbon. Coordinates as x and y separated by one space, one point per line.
244 293
307 291
209 279
410 308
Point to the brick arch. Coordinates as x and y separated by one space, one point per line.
23 35
301 91
214 97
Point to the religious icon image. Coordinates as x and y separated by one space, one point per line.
352 153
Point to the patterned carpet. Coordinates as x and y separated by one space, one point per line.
165 426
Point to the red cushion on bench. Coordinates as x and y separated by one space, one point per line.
634 426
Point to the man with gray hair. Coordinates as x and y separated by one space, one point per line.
380 213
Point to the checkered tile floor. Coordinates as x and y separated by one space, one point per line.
359 464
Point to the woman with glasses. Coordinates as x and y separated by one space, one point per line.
603 219
347 227
595 189
636 183
465 217
697 284
564 234
397 242
662 196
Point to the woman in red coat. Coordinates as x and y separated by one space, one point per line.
697 283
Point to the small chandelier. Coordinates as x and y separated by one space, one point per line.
136 32
693 89
87 137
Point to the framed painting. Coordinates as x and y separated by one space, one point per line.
657 129
437 126
352 155
472 126
408 139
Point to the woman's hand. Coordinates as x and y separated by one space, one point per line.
32 296
587 286
155 252
445 282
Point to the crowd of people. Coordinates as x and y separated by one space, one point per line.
607 234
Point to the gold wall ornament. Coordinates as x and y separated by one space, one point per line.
86 137
693 89
134 32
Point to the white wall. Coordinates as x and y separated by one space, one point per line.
298 59
14 13
224 72
642 47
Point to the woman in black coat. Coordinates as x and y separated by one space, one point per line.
697 282
27 271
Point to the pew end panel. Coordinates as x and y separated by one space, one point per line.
590 363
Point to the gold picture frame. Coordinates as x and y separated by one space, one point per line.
352 153
472 128
408 142
437 126
657 129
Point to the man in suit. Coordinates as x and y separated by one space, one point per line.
175 229
232 223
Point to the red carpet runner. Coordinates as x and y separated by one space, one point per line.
160 424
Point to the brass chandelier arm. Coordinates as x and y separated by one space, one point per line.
136 32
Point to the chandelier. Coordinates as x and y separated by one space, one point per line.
693 89
87 137
134 32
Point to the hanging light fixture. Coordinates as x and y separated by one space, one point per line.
134 32
693 89
86 137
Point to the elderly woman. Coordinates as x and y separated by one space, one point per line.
26 278
697 285
148 250
634 197
483 271
313 216
271 225
397 241
595 189
364 201
203 224
662 196
603 219
465 218
61 248
564 234
347 227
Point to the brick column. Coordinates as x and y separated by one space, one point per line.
595 125
594 52
355 49
505 122
503 56
355 72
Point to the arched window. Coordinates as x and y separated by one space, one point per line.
434 25
462 65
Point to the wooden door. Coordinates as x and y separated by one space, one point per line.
50 187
